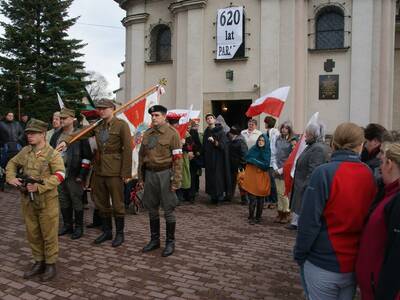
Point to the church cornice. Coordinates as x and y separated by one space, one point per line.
184 5
122 3
135 19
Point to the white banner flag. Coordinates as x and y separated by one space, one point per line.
229 31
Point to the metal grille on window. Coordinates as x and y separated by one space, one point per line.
330 29
160 47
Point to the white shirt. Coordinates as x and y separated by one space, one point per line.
251 137
273 136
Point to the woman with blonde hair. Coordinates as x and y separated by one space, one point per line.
378 262
334 207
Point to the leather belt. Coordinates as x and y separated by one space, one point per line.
157 168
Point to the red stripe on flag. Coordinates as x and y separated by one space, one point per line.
287 168
182 129
135 114
271 106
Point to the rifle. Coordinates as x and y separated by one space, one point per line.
26 180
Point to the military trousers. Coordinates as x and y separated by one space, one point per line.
41 220
157 193
71 194
109 195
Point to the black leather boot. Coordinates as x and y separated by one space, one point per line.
49 273
107 231
78 229
67 221
96 219
170 241
155 236
259 211
119 228
37 268
252 207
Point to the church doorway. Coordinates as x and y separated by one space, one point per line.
233 111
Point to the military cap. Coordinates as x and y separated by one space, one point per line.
105 103
66 112
157 108
35 125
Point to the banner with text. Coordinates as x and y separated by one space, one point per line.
229 31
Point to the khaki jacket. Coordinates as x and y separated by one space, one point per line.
161 148
45 164
114 153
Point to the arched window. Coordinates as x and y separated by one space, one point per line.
160 43
330 28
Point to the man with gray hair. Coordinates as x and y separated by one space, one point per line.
316 153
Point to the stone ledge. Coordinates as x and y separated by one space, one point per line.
184 5
135 19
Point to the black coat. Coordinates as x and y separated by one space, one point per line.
237 152
216 162
76 152
11 133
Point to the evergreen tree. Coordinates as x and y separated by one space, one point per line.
37 57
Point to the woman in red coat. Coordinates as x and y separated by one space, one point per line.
378 262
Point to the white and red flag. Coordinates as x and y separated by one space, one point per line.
184 115
289 166
139 120
271 103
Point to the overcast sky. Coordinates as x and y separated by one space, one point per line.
99 26
105 48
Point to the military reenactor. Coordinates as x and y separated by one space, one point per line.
39 163
77 164
112 166
160 173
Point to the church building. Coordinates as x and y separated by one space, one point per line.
341 58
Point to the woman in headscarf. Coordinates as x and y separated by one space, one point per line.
256 177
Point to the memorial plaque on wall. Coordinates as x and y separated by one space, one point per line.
328 87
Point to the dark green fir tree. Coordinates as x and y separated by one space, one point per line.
38 59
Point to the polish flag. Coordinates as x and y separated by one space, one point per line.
185 116
271 103
289 166
139 120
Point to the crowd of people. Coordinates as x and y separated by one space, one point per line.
343 199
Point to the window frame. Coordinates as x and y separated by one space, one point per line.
325 11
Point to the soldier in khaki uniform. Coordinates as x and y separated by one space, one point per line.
39 161
160 173
112 166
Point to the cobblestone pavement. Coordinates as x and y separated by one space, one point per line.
218 256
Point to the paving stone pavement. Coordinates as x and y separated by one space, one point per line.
218 256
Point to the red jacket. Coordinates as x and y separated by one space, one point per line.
373 253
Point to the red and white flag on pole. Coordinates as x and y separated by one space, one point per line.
271 103
289 166
185 115
139 120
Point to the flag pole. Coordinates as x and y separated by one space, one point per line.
119 109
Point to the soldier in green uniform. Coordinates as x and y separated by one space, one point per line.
39 160
112 166
160 173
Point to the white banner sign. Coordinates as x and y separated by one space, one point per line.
229 31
